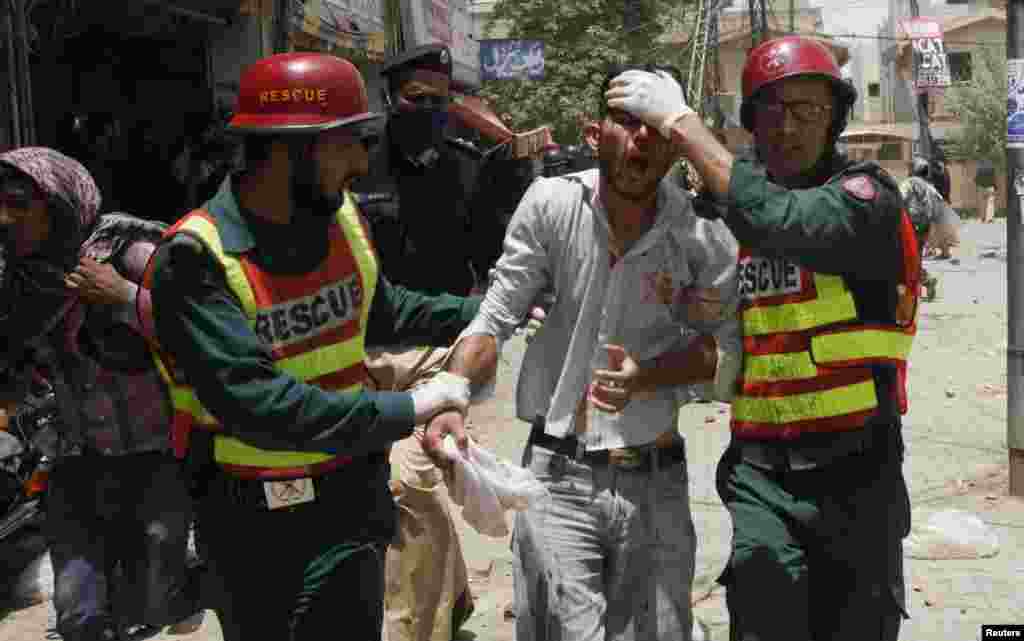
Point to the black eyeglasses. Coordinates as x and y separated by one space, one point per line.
803 111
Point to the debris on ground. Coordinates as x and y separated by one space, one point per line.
952 534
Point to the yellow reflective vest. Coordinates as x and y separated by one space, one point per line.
323 342
807 357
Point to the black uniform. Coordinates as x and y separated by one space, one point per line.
418 197
421 222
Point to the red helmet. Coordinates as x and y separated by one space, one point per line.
787 57
300 93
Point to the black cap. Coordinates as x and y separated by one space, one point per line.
435 57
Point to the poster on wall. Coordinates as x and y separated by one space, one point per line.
929 53
506 59
1015 103
447 22
348 24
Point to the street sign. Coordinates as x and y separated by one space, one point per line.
929 53
505 59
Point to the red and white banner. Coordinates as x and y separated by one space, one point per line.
929 53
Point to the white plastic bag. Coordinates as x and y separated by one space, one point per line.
485 487
952 534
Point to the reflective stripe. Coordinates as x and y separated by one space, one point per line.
802 407
239 284
339 362
324 360
807 360
779 367
829 286
230 450
859 344
312 364
843 422
833 304
184 400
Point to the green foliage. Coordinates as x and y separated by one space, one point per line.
980 107
581 38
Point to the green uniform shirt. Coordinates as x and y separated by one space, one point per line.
201 322
836 228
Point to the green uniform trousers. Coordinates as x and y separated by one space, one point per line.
304 573
817 554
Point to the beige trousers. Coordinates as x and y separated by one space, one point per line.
425 572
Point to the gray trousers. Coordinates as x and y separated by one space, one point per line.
609 558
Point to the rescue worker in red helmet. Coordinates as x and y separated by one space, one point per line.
829 266
263 300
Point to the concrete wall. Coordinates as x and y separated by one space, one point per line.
232 49
963 192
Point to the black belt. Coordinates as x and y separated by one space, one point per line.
635 458
251 493
816 450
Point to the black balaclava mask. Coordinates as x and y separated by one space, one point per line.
418 133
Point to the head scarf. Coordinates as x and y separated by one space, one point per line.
65 181
33 296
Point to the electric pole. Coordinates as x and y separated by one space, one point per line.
758 22
634 19
1015 271
925 137
282 26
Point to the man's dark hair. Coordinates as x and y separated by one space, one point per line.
617 68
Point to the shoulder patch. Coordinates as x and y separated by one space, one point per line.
860 187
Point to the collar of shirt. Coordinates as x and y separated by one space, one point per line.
661 225
235 235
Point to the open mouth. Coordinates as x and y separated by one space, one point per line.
637 165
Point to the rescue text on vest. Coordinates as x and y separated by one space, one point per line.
297 320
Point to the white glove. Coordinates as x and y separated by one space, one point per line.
656 98
444 391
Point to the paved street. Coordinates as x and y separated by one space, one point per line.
956 457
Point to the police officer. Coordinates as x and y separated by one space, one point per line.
556 161
829 265
419 193
263 301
